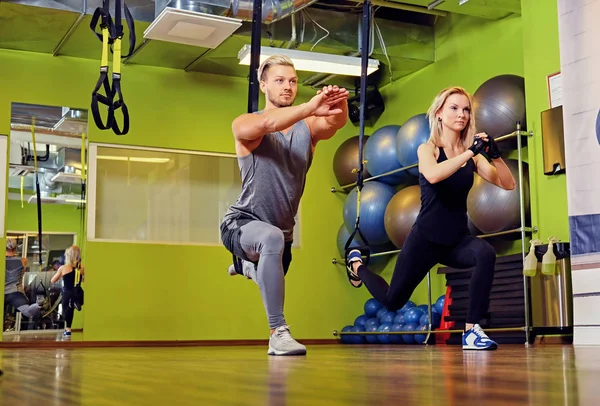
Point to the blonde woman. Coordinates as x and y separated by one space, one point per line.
67 273
447 163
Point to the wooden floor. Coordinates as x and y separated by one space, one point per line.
328 375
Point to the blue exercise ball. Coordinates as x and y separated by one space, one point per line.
372 322
420 338
439 304
424 307
396 338
346 338
384 328
409 338
413 315
408 305
372 338
361 320
399 319
375 264
371 307
435 317
414 132
374 199
356 339
381 156
381 312
388 317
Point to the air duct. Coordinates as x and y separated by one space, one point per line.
272 10
207 23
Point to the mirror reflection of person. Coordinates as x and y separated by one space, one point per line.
14 293
54 267
67 273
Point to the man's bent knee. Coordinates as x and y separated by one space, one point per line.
272 241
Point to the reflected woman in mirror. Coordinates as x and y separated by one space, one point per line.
67 273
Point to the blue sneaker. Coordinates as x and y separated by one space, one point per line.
353 256
476 339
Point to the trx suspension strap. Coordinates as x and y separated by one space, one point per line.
37 191
82 224
254 57
364 247
39 208
111 33
253 82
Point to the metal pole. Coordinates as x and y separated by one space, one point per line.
429 308
522 210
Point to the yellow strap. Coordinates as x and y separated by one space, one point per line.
104 60
82 157
77 274
117 56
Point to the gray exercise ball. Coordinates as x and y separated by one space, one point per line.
472 229
493 209
498 104
345 161
401 213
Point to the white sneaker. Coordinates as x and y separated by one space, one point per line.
476 339
248 269
282 343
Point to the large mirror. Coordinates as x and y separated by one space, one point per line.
44 217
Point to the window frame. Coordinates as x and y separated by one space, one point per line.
92 185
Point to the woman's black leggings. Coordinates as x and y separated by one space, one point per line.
68 311
419 255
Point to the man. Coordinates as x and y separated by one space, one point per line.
14 293
275 149
54 267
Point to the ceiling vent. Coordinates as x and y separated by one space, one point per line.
191 28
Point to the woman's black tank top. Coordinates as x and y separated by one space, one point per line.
69 280
443 214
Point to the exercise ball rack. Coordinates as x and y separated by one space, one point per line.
523 230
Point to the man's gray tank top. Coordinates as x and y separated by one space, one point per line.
273 178
14 275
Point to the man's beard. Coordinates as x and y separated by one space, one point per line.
282 104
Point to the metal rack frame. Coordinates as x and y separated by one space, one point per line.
518 134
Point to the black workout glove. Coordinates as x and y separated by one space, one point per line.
492 150
478 146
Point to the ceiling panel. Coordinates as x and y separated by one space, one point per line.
35 29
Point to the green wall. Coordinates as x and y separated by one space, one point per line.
542 58
55 217
159 292
156 292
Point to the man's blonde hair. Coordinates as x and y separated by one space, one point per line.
72 255
435 136
270 61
